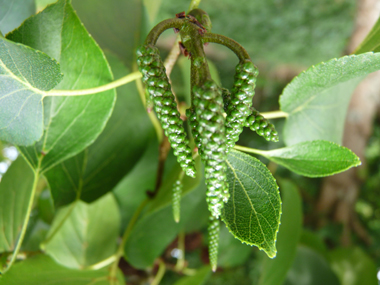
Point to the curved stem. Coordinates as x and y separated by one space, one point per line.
102 263
160 273
80 92
26 218
153 35
274 115
241 53
120 250
250 150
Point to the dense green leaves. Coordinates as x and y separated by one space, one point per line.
316 100
15 190
13 13
274 270
314 158
22 83
252 213
71 123
83 234
97 169
141 249
41 269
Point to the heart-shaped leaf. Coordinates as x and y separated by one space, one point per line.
253 211
71 123
114 153
314 158
83 234
316 100
24 75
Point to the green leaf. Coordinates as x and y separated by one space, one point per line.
316 100
84 234
22 84
132 189
14 12
116 26
41 269
353 266
371 42
253 211
15 190
314 158
310 268
98 169
71 123
141 249
274 270
231 251
199 278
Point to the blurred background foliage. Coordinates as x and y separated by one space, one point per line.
283 38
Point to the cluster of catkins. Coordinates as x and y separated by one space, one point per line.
216 118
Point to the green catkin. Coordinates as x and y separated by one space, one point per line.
257 123
239 106
210 139
213 243
159 89
176 201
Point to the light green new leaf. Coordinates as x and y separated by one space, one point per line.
141 249
84 234
371 42
71 123
97 169
274 270
314 158
41 269
24 75
253 211
14 12
15 190
316 100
